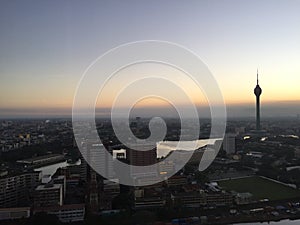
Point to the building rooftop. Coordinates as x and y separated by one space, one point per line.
61 207
48 187
38 158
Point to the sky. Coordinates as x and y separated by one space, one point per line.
45 47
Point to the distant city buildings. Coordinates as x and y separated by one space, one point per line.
16 134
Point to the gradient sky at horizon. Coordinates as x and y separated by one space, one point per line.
47 45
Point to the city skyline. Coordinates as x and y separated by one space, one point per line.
46 48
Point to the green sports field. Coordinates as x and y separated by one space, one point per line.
260 188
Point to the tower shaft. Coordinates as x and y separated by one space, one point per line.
258 112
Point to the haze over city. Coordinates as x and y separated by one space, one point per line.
46 47
149 112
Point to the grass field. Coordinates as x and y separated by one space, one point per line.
260 188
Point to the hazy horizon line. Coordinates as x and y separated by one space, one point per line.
268 109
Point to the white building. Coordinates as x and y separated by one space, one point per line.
229 143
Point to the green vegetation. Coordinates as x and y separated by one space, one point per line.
260 188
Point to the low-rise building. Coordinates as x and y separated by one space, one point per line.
65 213
148 198
189 200
41 160
202 198
243 198
154 202
219 199
14 213
177 180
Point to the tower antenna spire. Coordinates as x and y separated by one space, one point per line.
257 76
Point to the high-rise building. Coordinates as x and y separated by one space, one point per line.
229 143
257 92
83 169
48 195
16 190
111 189
61 180
98 157
93 192
142 158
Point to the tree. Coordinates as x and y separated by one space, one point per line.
201 177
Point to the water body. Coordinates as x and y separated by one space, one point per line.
51 169
283 222
164 147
